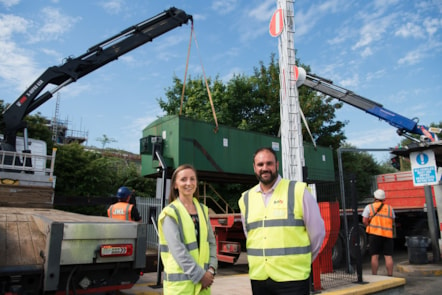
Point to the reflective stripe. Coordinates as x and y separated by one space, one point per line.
381 227
189 246
381 222
178 277
269 223
278 251
289 221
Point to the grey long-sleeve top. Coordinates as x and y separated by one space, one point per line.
179 252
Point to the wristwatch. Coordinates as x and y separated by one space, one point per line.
212 271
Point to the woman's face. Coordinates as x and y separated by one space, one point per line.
186 183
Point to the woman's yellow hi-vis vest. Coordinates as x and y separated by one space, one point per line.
382 223
175 281
278 245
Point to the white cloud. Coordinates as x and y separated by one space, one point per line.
383 5
410 30
372 31
411 58
263 12
224 6
233 71
10 25
366 52
375 138
9 3
376 75
113 6
351 82
432 25
16 64
55 25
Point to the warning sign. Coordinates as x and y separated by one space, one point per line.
423 167
276 23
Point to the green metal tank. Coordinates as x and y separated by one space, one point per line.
224 154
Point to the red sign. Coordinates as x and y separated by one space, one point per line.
276 23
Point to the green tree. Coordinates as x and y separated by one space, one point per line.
363 167
105 140
252 103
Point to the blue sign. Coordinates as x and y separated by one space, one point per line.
423 167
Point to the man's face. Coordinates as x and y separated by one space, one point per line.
265 167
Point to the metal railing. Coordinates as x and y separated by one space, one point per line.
17 162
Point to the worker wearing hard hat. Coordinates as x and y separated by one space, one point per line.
378 218
123 209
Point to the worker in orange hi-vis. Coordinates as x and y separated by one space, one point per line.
378 218
123 209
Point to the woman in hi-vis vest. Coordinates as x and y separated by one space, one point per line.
187 242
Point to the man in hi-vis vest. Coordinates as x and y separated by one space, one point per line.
378 218
284 230
123 209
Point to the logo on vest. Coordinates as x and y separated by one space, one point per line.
278 202
118 211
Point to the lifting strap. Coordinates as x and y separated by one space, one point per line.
192 33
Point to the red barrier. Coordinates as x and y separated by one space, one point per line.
323 262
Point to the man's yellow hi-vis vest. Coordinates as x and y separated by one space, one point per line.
278 245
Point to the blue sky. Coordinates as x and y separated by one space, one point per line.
389 51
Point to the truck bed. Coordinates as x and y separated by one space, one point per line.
24 232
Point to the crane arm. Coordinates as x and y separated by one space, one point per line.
75 68
404 125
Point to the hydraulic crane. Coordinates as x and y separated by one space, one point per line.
76 68
405 126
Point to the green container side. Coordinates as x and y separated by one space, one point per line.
227 150
319 162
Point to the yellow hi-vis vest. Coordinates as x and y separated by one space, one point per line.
382 223
278 245
175 281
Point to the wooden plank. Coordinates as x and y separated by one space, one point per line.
25 196
2 239
20 239
38 242
12 241
27 253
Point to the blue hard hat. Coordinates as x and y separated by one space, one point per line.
123 193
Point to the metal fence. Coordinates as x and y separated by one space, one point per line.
150 208
341 268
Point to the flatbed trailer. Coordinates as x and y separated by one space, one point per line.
53 251
49 251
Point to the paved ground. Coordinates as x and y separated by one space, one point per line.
408 280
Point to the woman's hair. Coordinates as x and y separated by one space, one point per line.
173 195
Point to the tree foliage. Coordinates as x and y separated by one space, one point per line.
86 173
363 167
252 103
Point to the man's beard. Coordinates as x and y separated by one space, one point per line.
270 180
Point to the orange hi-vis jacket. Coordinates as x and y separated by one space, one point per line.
381 224
120 210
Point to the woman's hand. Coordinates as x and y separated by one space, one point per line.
207 280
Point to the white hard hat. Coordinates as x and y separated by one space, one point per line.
379 194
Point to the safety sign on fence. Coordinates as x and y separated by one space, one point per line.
423 168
